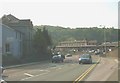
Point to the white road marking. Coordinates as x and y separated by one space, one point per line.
33 76
116 60
28 74
41 70
53 67
44 70
60 68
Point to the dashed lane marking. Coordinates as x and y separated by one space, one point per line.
116 60
33 76
30 75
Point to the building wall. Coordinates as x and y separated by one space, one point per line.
11 41
27 29
0 44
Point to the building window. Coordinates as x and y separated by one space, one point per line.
7 47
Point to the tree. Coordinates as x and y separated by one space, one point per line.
41 43
47 37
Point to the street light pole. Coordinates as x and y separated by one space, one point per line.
105 40
104 36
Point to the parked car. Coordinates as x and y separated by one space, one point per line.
2 69
85 58
58 58
68 55
2 81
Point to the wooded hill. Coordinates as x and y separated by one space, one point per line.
59 34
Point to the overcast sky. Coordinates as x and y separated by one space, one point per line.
66 13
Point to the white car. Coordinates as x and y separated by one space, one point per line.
2 81
1 69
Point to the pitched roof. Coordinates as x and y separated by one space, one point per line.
12 21
9 18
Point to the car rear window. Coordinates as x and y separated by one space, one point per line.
85 56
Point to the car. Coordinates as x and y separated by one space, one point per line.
97 53
2 69
85 58
68 55
2 81
58 58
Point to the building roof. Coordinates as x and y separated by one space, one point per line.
9 18
12 21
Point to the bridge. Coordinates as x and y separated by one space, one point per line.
85 45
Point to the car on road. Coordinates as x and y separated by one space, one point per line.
58 58
97 53
85 58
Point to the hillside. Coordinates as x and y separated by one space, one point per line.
59 34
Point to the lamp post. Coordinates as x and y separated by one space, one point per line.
105 49
105 40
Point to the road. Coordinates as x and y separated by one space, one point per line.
106 70
70 70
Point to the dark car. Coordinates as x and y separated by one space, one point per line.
85 58
58 58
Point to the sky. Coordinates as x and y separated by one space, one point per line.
66 13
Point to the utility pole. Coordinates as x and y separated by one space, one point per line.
104 44
105 40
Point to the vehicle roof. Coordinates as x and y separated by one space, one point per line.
85 55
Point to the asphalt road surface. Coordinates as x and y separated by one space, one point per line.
70 70
106 70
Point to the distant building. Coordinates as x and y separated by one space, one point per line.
24 26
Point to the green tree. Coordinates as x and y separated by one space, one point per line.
41 43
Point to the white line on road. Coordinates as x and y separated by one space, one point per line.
44 70
116 60
60 68
53 67
28 74
33 76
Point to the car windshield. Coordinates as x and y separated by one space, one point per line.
85 56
